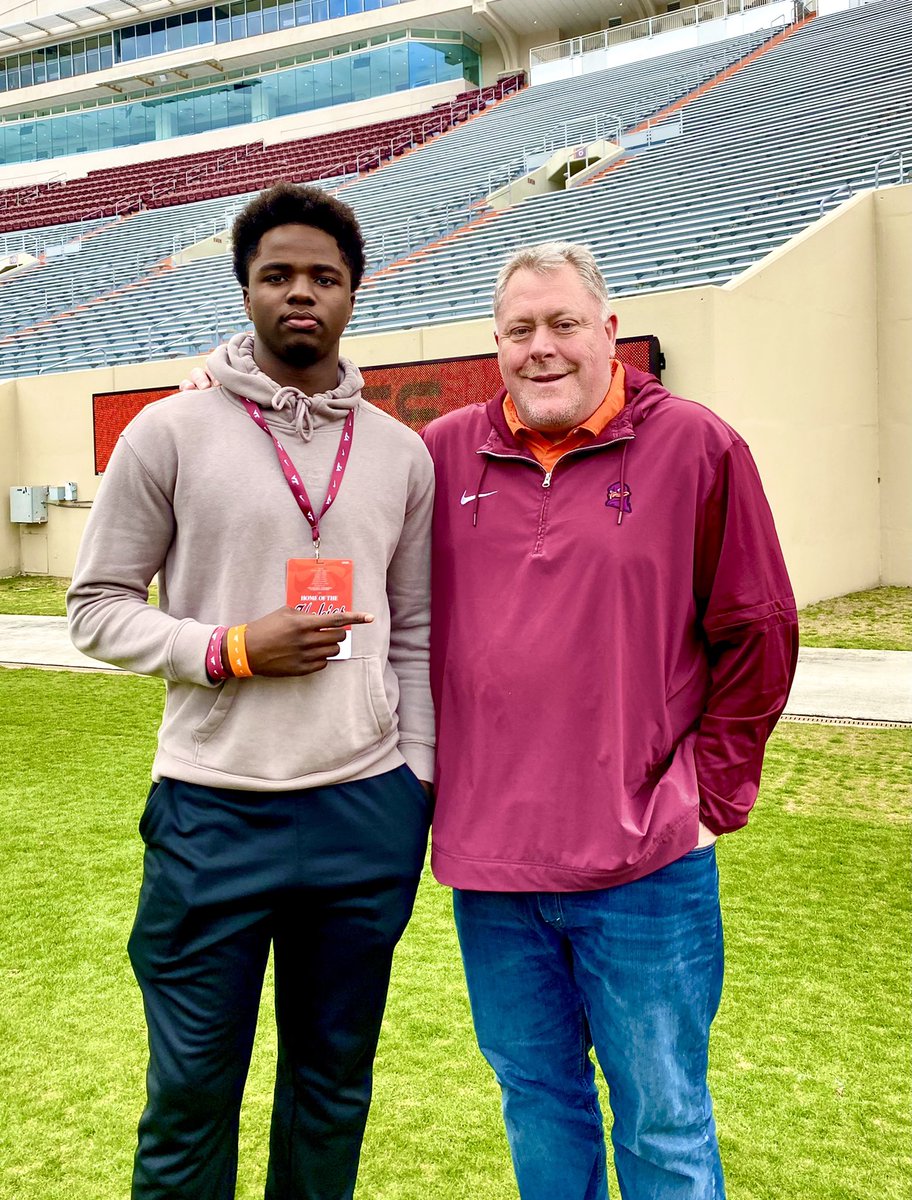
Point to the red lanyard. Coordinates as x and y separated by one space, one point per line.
294 481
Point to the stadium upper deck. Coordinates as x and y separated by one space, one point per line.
140 73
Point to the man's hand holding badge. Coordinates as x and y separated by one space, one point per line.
288 642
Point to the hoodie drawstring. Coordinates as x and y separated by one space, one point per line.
291 398
478 490
621 500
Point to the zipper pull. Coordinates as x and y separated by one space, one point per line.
546 482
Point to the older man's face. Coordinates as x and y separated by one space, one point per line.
554 348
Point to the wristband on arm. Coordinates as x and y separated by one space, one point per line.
215 666
237 652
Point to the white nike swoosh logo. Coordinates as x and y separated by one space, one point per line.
480 495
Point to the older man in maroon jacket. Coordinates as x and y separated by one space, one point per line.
613 640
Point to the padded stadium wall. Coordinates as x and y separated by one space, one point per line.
807 354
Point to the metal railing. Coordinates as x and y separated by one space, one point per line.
897 162
685 18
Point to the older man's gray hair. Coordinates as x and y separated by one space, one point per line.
547 257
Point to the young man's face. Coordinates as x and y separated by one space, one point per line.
298 295
554 348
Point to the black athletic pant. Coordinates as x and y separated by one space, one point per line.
328 877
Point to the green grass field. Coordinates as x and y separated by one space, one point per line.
811 1053
880 619
39 595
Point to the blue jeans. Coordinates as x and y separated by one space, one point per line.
636 972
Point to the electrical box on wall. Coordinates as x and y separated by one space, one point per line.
28 505
62 492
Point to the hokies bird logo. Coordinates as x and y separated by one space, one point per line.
618 497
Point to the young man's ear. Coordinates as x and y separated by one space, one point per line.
245 292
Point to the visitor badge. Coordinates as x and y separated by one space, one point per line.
322 586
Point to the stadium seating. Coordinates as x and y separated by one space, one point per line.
799 124
762 155
117 191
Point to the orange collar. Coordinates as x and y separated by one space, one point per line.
547 450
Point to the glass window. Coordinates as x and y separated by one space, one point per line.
342 80
158 37
238 22
222 24
381 81
320 10
361 77
3 84
38 67
106 50
336 8
51 63
254 18
370 5
217 99
199 32
471 66
66 63
303 14
287 101
286 14
105 128
268 97
173 36
239 107
90 132
93 54
322 77
143 40
399 72
184 119
354 6
12 76
270 16
79 58
26 74
59 135
422 65
26 141
43 146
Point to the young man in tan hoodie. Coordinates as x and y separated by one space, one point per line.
277 508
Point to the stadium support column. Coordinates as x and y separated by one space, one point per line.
504 36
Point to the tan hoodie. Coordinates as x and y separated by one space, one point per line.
194 492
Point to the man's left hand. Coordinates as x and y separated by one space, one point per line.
706 837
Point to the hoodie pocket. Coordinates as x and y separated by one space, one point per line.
224 699
284 729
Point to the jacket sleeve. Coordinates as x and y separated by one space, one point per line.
747 612
409 594
126 541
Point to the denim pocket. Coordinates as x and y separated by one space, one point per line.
701 851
